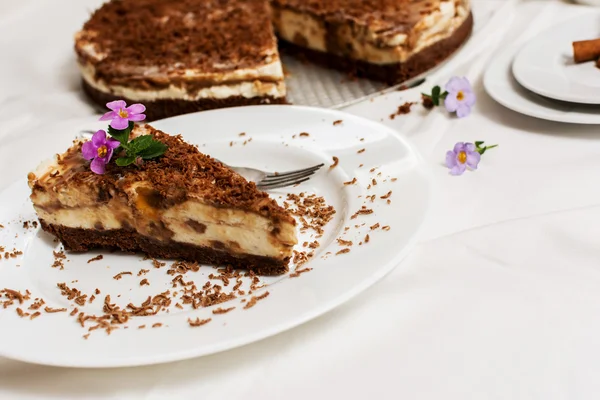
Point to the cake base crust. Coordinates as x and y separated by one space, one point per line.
391 74
164 108
81 240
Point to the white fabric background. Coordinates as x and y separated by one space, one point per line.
500 300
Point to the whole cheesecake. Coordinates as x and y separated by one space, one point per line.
182 205
181 56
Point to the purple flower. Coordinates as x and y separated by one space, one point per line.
99 150
121 114
464 155
460 97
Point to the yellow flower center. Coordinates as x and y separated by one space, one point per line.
123 113
102 151
460 96
462 157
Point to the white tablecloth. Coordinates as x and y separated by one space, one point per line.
500 300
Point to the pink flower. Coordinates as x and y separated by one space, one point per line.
99 150
121 114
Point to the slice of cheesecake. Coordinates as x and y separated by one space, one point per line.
386 40
181 56
182 205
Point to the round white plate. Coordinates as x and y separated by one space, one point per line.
501 85
56 339
545 64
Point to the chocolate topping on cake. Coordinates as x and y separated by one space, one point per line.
379 15
175 35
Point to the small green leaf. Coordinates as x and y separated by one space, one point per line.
435 95
478 143
155 149
125 161
140 143
444 95
121 135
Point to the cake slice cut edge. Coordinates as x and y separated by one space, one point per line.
184 205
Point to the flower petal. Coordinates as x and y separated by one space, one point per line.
137 117
107 116
450 159
99 138
455 84
451 102
119 123
112 144
458 147
458 169
470 98
98 165
116 105
473 159
463 110
136 108
89 151
469 147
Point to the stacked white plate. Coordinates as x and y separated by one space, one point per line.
540 79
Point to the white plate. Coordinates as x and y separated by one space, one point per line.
501 85
545 65
56 339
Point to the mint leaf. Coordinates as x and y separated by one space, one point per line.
125 161
155 149
140 143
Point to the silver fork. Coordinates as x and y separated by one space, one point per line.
264 180
273 180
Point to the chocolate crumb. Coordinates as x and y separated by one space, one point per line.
343 242
373 227
363 211
144 282
386 196
142 327
157 325
222 310
86 336
361 151
198 322
51 310
254 300
298 272
336 161
120 275
304 134
385 228
242 134
367 238
403 109
352 182
97 258
74 311
35 315
339 121
343 251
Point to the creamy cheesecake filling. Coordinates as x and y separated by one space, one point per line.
367 45
197 225
249 89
